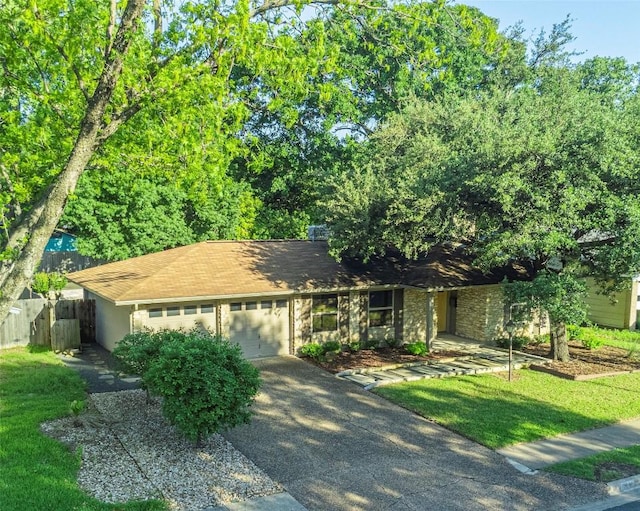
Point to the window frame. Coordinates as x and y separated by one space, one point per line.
173 311
386 310
325 319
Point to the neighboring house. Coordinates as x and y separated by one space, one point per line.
272 297
623 311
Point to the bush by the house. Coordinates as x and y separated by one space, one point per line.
518 342
206 384
135 351
355 346
312 350
331 346
417 348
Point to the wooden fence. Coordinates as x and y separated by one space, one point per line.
61 324
66 262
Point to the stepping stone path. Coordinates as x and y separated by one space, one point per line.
477 359
97 366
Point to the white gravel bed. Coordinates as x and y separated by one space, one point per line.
131 452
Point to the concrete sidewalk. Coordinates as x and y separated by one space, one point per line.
536 455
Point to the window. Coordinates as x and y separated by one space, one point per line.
281 304
251 306
206 309
235 306
173 311
190 309
155 313
266 304
380 308
324 313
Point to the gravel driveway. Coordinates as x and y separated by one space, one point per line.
335 446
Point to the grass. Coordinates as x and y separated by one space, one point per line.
37 472
588 468
495 412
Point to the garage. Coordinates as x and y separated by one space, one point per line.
260 327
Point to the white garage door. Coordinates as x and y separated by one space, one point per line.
260 327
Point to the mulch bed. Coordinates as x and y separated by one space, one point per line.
378 358
585 363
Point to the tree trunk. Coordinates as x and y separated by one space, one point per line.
44 217
559 345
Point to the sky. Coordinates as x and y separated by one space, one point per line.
607 28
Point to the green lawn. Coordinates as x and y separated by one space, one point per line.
585 468
37 472
497 413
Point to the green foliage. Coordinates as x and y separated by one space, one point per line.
312 350
36 471
536 168
330 346
44 283
355 346
206 384
573 332
561 295
518 342
540 339
77 406
591 340
135 352
417 348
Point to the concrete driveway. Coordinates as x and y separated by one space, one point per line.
337 447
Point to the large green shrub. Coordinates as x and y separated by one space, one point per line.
206 384
135 351
312 350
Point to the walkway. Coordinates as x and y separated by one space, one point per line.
477 359
99 369
536 455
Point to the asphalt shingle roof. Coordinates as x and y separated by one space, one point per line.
217 269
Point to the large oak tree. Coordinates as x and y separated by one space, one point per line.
546 171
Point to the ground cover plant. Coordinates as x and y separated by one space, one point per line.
495 412
37 472
603 467
625 339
